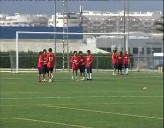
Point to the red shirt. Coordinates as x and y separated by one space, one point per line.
120 59
82 60
45 59
74 61
126 59
40 61
89 61
114 58
51 60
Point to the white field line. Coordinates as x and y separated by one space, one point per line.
47 122
140 103
70 97
11 78
22 92
103 112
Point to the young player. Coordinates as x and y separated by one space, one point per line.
120 63
114 61
89 62
40 65
74 60
45 69
126 62
82 60
50 64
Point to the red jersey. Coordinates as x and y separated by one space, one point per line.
51 60
40 61
89 61
82 60
120 59
126 59
114 58
74 61
45 59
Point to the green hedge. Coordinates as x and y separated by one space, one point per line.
29 60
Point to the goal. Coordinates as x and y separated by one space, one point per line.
60 46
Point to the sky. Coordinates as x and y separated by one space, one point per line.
47 6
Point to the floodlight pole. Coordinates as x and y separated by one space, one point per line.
124 26
17 48
55 31
55 25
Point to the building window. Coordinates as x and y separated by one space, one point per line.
148 50
153 50
156 50
135 50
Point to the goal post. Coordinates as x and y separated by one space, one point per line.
18 33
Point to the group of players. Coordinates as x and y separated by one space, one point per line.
119 60
81 62
46 62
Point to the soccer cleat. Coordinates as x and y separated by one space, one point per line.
50 80
44 80
82 79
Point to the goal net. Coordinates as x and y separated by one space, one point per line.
96 42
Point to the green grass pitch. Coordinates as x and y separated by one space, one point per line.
105 102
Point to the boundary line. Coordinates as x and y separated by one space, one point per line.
48 122
102 112
69 97
140 103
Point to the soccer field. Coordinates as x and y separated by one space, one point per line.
105 102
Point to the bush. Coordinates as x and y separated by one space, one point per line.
29 60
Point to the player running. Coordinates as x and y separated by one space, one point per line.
50 64
74 60
114 61
40 66
82 60
120 63
126 62
89 62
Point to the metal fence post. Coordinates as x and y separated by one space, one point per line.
97 63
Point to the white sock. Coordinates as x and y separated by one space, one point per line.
127 71
87 75
72 77
90 75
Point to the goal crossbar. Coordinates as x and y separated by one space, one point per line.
63 33
70 33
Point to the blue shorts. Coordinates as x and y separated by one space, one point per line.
45 69
115 66
89 69
50 69
40 70
126 65
119 66
82 68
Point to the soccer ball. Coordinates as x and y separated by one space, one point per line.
144 88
